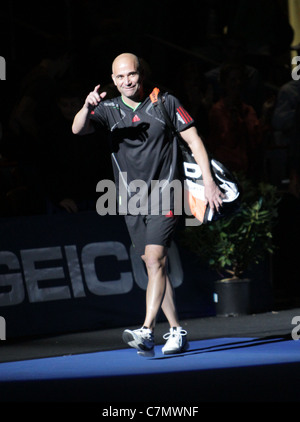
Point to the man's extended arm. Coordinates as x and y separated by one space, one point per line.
82 124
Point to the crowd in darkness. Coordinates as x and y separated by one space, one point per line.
229 66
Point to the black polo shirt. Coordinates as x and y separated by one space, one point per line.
143 151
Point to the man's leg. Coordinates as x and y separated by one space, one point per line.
159 290
168 305
142 339
160 294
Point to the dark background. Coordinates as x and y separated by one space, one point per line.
167 36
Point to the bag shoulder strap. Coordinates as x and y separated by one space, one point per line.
156 99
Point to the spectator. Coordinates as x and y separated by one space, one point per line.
35 106
235 130
284 123
196 94
71 167
234 53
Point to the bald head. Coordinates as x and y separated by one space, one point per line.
125 59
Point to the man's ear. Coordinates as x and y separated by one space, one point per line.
114 79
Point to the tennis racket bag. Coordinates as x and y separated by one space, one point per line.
194 197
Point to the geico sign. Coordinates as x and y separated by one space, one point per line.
72 273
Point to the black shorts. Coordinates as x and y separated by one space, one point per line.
150 230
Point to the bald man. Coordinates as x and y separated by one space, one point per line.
143 149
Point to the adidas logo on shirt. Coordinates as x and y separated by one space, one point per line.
136 118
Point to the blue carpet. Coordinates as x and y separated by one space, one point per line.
222 369
201 355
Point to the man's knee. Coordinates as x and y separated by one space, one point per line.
154 262
154 257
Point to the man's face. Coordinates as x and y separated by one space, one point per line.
127 78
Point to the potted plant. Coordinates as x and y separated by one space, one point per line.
233 244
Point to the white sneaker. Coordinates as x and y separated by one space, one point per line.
141 339
176 341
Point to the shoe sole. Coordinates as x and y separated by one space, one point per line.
132 342
174 352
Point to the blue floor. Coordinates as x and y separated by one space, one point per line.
202 355
213 369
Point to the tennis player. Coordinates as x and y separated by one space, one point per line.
143 149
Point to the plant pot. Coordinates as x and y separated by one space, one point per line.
232 297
